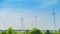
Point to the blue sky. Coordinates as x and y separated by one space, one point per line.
11 12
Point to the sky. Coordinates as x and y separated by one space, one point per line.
11 12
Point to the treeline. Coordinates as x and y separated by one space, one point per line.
33 31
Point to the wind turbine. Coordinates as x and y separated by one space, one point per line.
54 19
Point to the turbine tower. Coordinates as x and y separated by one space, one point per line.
54 22
21 23
35 21
4 25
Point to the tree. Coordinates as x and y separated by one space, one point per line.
59 31
10 31
47 32
15 32
4 32
36 31
27 31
